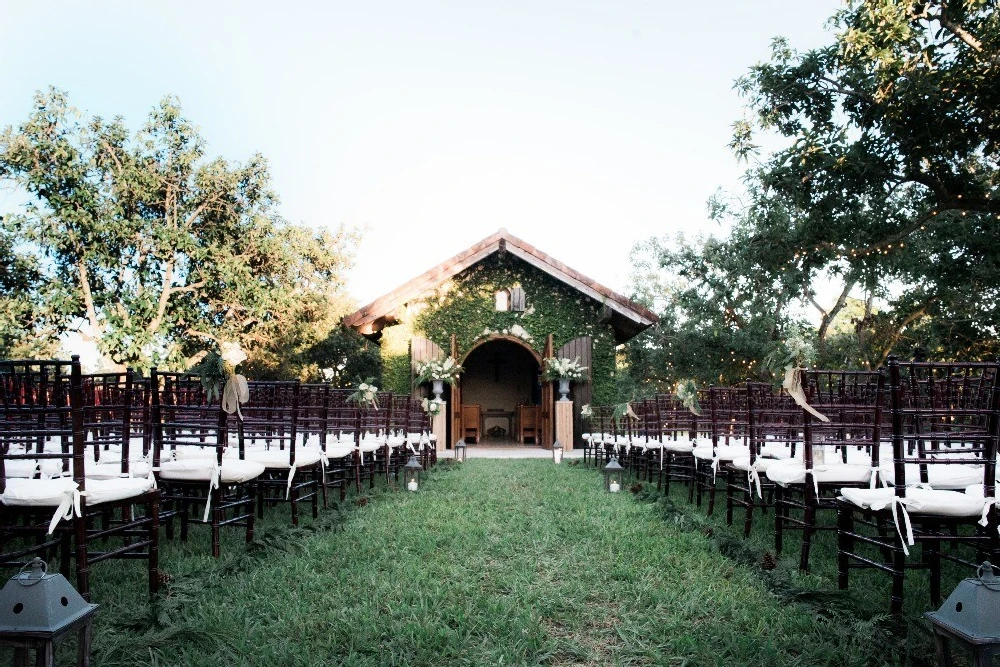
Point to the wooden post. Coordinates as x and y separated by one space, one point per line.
548 397
564 424
439 427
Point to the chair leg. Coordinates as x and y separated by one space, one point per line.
729 497
779 510
251 512
748 516
845 544
153 535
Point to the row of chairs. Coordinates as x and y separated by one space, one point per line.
91 466
902 456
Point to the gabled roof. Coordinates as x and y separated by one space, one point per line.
626 317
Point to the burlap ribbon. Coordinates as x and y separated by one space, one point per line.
793 385
235 393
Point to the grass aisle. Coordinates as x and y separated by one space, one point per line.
514 562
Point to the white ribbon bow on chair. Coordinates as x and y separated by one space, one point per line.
235 393
793 385
213 484
989 503
64 512
894 502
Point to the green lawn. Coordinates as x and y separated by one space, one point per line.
511 562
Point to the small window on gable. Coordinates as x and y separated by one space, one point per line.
503 300
517 299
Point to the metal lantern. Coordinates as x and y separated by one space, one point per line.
411 473
460 451
38 609
557 452
970 616
613 473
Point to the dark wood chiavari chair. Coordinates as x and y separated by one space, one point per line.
268 434
727 416
944 422
190 439
42 418
836 454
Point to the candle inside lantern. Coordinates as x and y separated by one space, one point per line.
412 485
614 487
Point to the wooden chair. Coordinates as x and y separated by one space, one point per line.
268 435
838 454
472 422
528 418
946 414
190 439
42 422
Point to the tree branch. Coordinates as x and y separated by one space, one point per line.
161 306
88 300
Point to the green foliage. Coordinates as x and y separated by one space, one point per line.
885 185
152 246
26 328
212 370
467 309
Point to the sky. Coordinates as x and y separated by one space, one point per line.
580 127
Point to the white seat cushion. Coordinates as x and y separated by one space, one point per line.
277 459
52 492
339 451
703 453
234 471
793 471
777 450
108 490
919 501
23 468
681 446
743 463
940 476
190 452
22 492
114 470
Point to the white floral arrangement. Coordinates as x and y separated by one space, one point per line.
366 395
445 371
432 406
561 368
586 411
686 392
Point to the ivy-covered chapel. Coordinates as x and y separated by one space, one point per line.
501 307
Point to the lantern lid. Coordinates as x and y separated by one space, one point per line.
557 445
613 465
38 602
413 464
460 443
973 608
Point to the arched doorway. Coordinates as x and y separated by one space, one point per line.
501 373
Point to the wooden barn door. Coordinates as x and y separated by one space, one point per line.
548 402
422 350
580 392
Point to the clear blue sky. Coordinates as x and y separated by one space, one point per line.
581 127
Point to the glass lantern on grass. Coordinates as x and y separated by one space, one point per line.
557 452
411 473
461 449
613 476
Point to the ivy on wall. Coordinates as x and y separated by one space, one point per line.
465 306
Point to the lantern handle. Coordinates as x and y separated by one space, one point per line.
38 569
986 576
